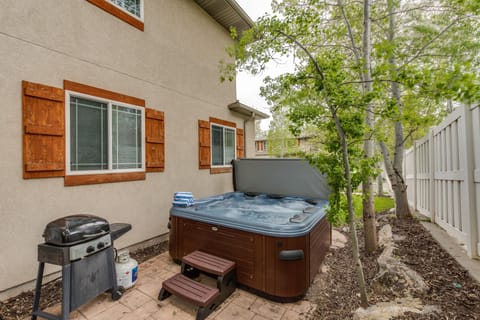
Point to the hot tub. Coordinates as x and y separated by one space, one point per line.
277 241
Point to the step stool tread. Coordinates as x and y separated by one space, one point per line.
209 263
194 292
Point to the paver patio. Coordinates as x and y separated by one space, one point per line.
140 302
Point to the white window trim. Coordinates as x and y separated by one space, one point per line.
68 94
141 18
234 144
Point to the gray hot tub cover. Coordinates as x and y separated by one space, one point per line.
286 177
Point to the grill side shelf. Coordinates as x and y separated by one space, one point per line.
54 255
119 229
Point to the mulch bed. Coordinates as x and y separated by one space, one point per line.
143 255
450 286
335 291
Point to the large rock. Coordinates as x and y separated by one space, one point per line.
385 236
388 310
394 276
338 240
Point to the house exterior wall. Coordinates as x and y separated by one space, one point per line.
173 65
250 139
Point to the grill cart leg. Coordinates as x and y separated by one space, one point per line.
65 295
66 280
111 266
38 288
117 291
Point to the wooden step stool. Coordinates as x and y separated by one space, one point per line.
203 296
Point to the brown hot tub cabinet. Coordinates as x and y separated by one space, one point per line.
272 266
273 226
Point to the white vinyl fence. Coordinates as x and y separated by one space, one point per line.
443 176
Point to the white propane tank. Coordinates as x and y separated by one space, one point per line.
126 269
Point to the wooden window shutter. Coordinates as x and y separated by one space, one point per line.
43 131
204 144
240 144
155 140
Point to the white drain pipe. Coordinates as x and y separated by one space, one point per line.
245 133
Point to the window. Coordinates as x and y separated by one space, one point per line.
223 145
103 136
219 142
260 145
129 11
89 135
134 7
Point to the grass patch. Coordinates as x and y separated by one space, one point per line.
384 203
339 216
381 204
357 205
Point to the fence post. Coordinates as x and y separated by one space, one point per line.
471 222
475 116
431 165
415 188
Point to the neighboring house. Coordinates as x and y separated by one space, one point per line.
309 143
293 146
261 150
109 107
261 146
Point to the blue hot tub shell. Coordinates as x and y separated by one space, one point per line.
259 213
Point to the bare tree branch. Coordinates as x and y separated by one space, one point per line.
350 32
424 8
426 45
310 56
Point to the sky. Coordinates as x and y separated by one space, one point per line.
248 86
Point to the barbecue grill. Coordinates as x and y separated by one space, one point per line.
83 246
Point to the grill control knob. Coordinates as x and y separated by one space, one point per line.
100 245
90 249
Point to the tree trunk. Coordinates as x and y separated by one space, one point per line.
348 180
449 105
380 185
402 209
351 215
395 168
399 186
369 221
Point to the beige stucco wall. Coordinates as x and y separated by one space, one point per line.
173 65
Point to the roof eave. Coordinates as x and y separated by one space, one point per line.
247 111
227 13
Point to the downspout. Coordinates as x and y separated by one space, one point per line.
245 133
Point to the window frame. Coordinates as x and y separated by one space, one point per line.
121 13
109 102
141 18
260 146
212 166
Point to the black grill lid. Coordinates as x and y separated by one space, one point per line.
75 229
